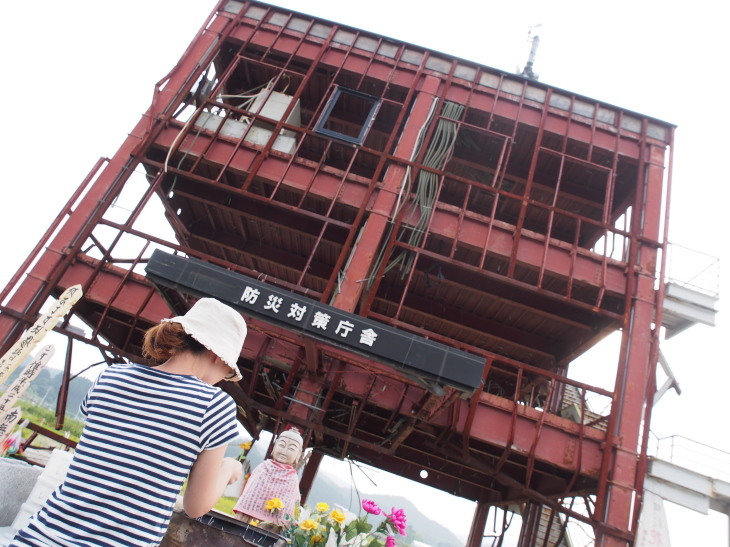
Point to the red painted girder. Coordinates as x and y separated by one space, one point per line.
559 437
585 268
477 96
638 360
135 291
291 44
493 415
492 418
555 121
370 242
298 175
478 523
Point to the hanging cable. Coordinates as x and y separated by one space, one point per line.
250 97
405 190
437 155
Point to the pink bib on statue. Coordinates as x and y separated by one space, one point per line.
270 480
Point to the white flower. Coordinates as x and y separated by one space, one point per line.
357 540
349 515
331 539
304 513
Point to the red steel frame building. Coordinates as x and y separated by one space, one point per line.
470 208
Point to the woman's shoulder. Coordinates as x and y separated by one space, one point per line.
146 375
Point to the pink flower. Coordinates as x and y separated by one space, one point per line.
371 507
390 541
397 518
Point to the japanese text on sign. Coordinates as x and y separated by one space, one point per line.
297 311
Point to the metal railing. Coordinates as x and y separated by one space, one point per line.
696 456
693 269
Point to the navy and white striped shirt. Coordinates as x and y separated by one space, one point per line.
143 432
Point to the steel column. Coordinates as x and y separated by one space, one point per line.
365 250
479 521
639 337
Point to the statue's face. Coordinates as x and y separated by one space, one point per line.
286 450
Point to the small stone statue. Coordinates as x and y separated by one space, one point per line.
273 478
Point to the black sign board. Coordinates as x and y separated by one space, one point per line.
433 361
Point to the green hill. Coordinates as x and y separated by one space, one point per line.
43 390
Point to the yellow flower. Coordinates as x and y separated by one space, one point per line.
337 516
322 507
246 445
316 538
273 504
309 524
254 522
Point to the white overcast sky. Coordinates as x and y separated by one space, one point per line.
77 75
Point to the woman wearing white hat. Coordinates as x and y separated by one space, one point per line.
147 430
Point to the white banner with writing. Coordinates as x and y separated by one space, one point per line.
35 334
21 383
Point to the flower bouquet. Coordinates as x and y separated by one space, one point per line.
326 527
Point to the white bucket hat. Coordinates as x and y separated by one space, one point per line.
220 328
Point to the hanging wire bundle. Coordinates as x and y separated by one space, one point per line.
437 155
248 101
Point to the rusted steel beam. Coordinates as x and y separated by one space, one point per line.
311 357
483 414
597 133
586 267
355 412
201 191
288 43
334 384
534 495
247 415
523 297
65 211
558 442
136 297
296 176
478 523
556 258
617 497
491 423
51 435
425 411
310 473
366 250
496 330
409 460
